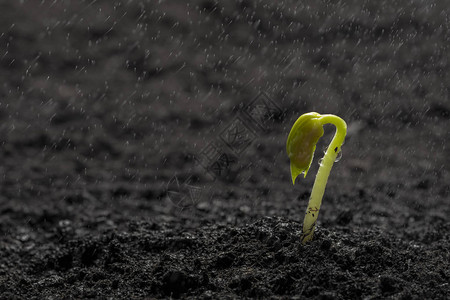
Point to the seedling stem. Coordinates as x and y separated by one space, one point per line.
300 146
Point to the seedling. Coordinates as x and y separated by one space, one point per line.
300 146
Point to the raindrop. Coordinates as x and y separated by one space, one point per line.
339 156
320 161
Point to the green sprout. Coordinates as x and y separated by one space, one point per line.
300 146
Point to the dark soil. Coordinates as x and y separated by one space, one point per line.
143 149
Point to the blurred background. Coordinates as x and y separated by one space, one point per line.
112 111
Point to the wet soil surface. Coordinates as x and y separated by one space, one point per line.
143 149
